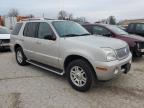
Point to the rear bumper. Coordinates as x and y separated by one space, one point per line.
109 70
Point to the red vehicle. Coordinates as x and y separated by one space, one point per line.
136 43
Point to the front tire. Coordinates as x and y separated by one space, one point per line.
20 57
79 74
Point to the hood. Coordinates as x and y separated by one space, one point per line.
4 36
135 37
98 41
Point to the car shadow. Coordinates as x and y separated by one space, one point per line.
5 50
47 73
138 59
98 86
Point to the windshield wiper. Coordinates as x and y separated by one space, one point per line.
73 35
85 34
70 35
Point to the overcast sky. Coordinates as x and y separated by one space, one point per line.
91 9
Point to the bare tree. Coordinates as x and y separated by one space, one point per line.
70 16
62 15
13 13
80 19
112 20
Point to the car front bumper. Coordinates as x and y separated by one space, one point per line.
5 43
109 70
141 51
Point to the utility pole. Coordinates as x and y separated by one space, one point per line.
43 15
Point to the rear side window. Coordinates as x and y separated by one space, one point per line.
31 29
17 28
140 27
130 28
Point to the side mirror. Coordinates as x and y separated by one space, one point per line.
50 37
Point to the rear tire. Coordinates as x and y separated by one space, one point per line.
79 74
136 54
20 57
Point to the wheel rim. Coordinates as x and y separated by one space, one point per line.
78 76
19 56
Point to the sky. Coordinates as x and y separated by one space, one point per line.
92 10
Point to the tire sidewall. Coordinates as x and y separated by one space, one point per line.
23 57
88 71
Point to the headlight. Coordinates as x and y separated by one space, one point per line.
110 54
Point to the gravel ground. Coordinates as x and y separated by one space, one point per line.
32 87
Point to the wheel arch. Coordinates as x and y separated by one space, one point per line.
75 57
16 46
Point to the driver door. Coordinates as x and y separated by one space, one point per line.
47 50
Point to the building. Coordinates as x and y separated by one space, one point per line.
1 21
10 22
125 23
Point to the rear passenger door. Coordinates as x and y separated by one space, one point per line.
30 39
47 50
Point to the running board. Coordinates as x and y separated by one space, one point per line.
46 67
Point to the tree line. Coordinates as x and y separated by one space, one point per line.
64 15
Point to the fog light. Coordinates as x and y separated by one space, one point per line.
116 71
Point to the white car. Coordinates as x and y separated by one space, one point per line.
4 37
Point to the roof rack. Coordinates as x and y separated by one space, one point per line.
32 19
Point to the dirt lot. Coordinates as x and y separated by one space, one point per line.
31 87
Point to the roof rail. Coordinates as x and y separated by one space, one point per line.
48 19
32 19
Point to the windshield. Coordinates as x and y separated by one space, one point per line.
117 30
4 31
69 29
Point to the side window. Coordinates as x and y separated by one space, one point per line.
31 29
101 31
88 28
140 27
17 28
44 30
131 28
25 29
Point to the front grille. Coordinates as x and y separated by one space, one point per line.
5 41
141 45
123 52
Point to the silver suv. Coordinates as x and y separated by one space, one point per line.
65 47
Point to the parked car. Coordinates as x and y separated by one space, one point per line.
136 28
136 43
65 47
4 37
